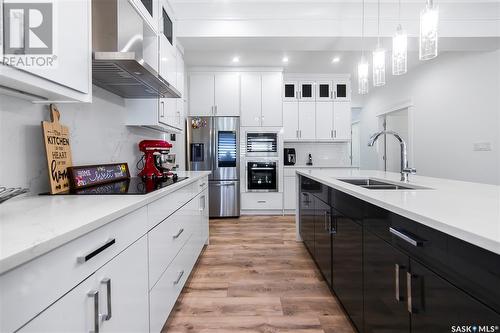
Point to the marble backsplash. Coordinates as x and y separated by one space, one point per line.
98 135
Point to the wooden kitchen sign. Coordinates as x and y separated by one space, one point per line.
58 150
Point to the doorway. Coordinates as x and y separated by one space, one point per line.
390 154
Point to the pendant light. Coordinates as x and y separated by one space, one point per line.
428 46
399 48
378 57
363 84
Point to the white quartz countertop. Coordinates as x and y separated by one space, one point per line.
33 225
468 211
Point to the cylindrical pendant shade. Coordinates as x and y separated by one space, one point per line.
399 52
379 67
363 84
429 32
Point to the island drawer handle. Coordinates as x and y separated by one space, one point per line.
87 257
406 238
179 233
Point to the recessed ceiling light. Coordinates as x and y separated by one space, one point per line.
285 59
335 60
236 59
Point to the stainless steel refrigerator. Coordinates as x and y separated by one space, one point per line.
213 144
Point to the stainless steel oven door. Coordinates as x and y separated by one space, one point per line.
262 176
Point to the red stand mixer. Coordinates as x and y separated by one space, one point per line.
150 148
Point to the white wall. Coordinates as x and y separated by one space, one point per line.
456 99
98 135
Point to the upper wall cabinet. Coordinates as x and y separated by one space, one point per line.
150 11
290 91
54 66
214 94
261 101
329 89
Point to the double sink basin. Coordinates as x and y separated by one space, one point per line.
375 184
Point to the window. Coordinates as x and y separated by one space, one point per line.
226 156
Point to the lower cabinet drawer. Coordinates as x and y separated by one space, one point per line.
165 292
168 237
261 201
28 289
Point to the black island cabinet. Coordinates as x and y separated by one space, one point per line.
392 274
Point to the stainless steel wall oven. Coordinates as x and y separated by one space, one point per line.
262 176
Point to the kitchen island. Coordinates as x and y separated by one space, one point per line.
420 260
101 262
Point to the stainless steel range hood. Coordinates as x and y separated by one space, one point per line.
125 53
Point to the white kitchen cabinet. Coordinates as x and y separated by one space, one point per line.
70 78
272 105
251 99
307 120
74 312
324 121
342 90
180 72
290 120
123 294
342 121
112 291
214 94
261 101
227 94
158 114
324 91
201 94
204 216
261 201
307 90
168 61
299 121
149 11
290 91
290 193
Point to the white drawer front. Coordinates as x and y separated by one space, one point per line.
167 238
164 294
30 288
259 200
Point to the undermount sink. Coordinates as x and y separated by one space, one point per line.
375 184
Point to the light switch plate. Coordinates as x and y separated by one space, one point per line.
482 146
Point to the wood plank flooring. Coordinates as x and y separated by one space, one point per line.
254 277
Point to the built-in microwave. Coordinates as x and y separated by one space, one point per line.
262 176
262 144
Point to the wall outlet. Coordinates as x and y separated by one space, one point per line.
482 146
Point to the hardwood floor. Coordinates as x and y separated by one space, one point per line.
254 277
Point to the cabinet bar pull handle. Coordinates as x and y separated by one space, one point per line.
261 201
107 282
179 233
202 185
225 184
87 257
406 238
181 273
396 279
334 133
326 220
202 203
94 295
408 292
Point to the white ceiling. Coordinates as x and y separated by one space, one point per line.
312 32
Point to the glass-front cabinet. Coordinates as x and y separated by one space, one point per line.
324 90
342 90
307 90
290 91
